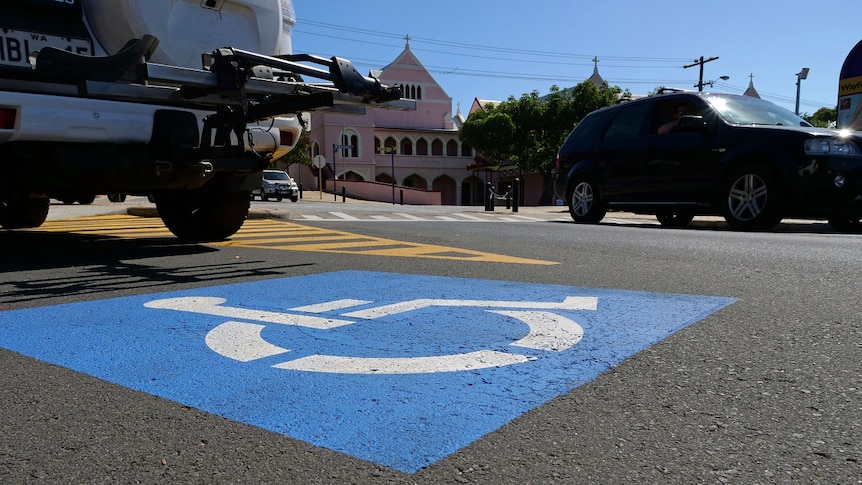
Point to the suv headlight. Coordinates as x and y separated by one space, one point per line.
831 146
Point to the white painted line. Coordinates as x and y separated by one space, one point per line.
410 216
548 331
570 303
481 359
528 219
471 217
330 306
241 341
211 306
343 216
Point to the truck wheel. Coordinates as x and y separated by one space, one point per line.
19 213
294 198
210 213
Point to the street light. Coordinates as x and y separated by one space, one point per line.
391 151
700 85
803 74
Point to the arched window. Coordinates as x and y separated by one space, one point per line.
376 145
350 137
406 146
466 151
390 142
452 148
437 148
422 147
418 92
315 150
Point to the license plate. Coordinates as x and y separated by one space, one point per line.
17 45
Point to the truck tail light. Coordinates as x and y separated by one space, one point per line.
285 138
7 118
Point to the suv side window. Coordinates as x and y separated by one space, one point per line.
629 122
586 135
666 109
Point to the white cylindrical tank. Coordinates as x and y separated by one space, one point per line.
188 28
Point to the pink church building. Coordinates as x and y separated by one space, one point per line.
428 156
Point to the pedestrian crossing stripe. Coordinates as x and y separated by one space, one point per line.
284 236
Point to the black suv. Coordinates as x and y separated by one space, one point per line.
683 154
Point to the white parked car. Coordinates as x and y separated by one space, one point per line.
277 184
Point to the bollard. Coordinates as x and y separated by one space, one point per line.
343 194
516 195
489 197
402 196
508 197
300 190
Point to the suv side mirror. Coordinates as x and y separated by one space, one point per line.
691 123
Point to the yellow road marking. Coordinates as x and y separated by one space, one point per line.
286 236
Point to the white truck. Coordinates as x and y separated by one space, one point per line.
186 101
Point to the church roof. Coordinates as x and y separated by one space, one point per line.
751 91
596 78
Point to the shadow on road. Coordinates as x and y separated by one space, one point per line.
37 266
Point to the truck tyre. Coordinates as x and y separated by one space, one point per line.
20 213
210 213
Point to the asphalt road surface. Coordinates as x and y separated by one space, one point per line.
628 352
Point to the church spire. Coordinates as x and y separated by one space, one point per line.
751 91
596 78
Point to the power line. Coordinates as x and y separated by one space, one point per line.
534 57
507 50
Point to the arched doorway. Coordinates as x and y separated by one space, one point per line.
473 191
447 187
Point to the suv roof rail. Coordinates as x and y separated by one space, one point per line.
665 89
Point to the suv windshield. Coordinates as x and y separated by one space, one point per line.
742 110
275 176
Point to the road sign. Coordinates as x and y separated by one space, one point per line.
400 370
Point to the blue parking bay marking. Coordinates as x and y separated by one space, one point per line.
400 370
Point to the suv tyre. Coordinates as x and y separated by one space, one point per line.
585 201
753 198
675 218
847 225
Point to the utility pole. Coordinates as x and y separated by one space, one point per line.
700 62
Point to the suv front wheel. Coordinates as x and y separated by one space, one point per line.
585 201
753 198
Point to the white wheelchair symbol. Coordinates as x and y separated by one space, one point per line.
242 341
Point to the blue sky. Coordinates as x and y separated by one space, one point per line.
493 49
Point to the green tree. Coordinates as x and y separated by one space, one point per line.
300 154
528 131
823 117
491 129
